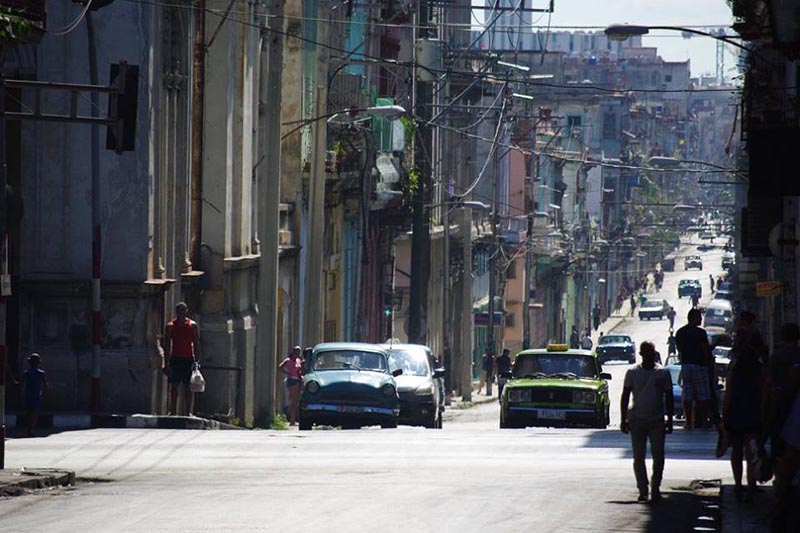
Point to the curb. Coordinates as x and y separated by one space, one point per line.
17 482
136 421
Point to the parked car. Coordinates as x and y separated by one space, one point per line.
349 384
653 308
688 287
723 295
611 347
728 260
705 247
718 336
556 386
419 386
708 235
677 391
693 261
719 313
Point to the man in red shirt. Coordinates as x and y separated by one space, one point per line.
182 350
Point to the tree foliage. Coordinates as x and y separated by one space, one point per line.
13 28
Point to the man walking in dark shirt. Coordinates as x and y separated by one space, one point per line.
503 366
694 353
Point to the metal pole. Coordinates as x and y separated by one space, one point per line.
316 214
269 177
466 307
97 254
3 270
494 250
788 245
531 208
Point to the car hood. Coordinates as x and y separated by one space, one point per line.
614 345
365 378
410 383
584 384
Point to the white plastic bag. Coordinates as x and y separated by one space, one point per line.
197 383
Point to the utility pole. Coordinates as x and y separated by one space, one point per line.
465 357
494 250
313 308
3 269
97 251
420 238
530 212
269 178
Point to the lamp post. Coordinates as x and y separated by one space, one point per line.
312 310
621 32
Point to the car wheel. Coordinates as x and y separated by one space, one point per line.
632 360
389 424
431 423
305 423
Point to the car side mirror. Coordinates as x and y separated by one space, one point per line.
438 373
605 375
397 372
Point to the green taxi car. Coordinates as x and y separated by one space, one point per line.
349 384
556 386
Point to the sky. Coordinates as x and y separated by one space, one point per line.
672 47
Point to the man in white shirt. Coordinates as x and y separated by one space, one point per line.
651 387
586 341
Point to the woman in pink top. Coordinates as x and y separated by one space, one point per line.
292 367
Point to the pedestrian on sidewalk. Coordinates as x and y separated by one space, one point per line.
503 366
784 365
651 388
34 382
694 353
586 341
292 368
182 351
787 469
695 300
711 282
671 317
488 369
633 303
741 414
574 339
596 316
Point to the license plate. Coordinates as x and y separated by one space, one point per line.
349 409
552 414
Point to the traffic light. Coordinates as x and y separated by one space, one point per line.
122 106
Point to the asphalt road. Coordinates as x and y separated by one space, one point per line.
470 476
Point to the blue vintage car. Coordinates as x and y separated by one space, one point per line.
349 384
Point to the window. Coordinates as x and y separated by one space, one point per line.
574 121
667 78
609 125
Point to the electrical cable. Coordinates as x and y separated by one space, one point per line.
74 24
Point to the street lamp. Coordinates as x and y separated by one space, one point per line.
621 32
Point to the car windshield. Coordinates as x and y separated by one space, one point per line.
653 303
542 365
349 360
719 312
412 362
614 339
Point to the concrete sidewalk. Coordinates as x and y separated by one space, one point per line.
58 421
17 482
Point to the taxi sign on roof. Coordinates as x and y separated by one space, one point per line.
557 347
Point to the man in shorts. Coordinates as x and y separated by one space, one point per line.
182 350
694 353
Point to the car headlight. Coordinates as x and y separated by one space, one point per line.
519 395
425 390
312 387
580 396
388 390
